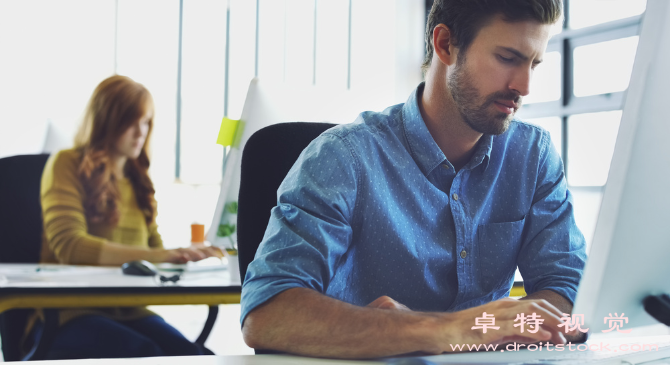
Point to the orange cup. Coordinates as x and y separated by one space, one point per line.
197 233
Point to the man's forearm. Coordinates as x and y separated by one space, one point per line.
302 321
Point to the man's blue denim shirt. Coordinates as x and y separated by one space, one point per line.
374 208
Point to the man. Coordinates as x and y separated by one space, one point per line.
395 233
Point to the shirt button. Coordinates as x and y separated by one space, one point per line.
455 196
445 166
463 254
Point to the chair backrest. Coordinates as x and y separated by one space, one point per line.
267 157
20 209
20 233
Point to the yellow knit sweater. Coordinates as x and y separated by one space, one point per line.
70 239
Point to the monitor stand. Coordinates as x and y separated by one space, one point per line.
658 306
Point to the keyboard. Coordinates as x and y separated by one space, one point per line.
637 350
208 264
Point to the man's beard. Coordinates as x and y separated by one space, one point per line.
474 108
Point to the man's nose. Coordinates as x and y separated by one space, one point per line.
521 81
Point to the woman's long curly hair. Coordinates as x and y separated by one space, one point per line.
115 105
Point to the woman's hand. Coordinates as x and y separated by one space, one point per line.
191 253
113 254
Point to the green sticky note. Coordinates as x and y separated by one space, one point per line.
227 132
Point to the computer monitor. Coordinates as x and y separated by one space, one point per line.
630 253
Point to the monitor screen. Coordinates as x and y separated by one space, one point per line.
630 253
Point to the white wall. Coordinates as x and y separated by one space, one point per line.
53 55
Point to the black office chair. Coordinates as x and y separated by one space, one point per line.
267 157
21 242
20 236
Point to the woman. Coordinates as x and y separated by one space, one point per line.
98 208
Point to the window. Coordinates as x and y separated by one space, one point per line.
585 13
149 56
202 90
592 137
578 94
52 59
224 44
605 67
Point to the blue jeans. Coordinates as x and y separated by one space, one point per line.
96 336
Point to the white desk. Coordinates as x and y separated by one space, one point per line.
569 357
59 286
64 286
463 358
23 286
213 360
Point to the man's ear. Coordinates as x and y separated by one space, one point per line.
443 47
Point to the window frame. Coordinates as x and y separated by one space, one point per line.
569 104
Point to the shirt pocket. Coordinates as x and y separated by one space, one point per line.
498 245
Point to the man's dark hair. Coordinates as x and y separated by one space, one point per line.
466 17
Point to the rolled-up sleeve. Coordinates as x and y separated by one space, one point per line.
310 228
553 253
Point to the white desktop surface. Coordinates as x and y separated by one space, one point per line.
213 360
656 334
54 275
464 358
60 286
20 281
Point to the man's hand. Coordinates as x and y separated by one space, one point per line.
456 327
564 305
385 302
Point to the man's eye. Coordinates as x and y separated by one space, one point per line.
505 59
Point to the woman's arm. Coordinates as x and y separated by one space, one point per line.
66 228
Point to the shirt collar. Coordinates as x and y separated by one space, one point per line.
483 154
423 147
